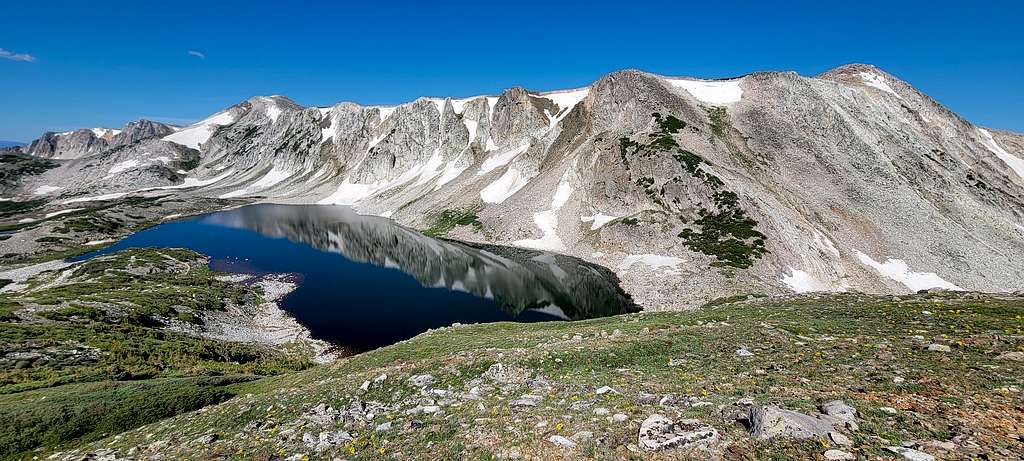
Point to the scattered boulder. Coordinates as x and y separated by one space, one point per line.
770 422
205 439
321 415
839 410
840 439
327 439
562 441
582 436
743 352
935 347
911 454
422 381
526 400
1016 356
644 398
604 390
658 432
838 455
502 374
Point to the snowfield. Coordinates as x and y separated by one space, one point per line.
715 92
898 270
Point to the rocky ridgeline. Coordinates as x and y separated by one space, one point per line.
770 182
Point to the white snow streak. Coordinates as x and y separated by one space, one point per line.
268 180
41 190
565 100
598 220
897 270
1015 163
97 198
58 213
471 127
500 159
504 187
124 166
349 193
547 221
877 81
195 135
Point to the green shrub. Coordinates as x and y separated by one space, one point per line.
450 219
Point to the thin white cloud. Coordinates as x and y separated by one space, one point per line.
198 54
16 56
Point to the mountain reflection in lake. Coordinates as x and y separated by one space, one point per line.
366 282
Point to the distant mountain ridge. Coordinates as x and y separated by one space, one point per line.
691 189
11 144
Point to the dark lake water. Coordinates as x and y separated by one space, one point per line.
365 282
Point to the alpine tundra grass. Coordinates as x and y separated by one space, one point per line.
506 390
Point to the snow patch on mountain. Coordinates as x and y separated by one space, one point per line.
385 112
104 132
565 100
349 193
899 271
199 133
273 112
505 186
877 81
715 92
826 245
802 282
471 127
124 166
330 131
547 220
274 176
598 220
96 198
500 159
43 190
195 182
58 213
1015 163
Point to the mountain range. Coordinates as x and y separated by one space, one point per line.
690 189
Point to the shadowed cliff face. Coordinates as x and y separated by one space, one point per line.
516 279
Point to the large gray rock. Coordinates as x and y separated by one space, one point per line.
770 422
658 432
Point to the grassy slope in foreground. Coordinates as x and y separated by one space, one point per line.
871 352
100 347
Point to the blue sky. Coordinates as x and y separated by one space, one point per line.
68 64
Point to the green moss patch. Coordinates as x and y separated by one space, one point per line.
448 220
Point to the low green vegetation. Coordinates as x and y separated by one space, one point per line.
77 413
719 118
12 207
13 167
448 220
723 231
870 352
84 352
